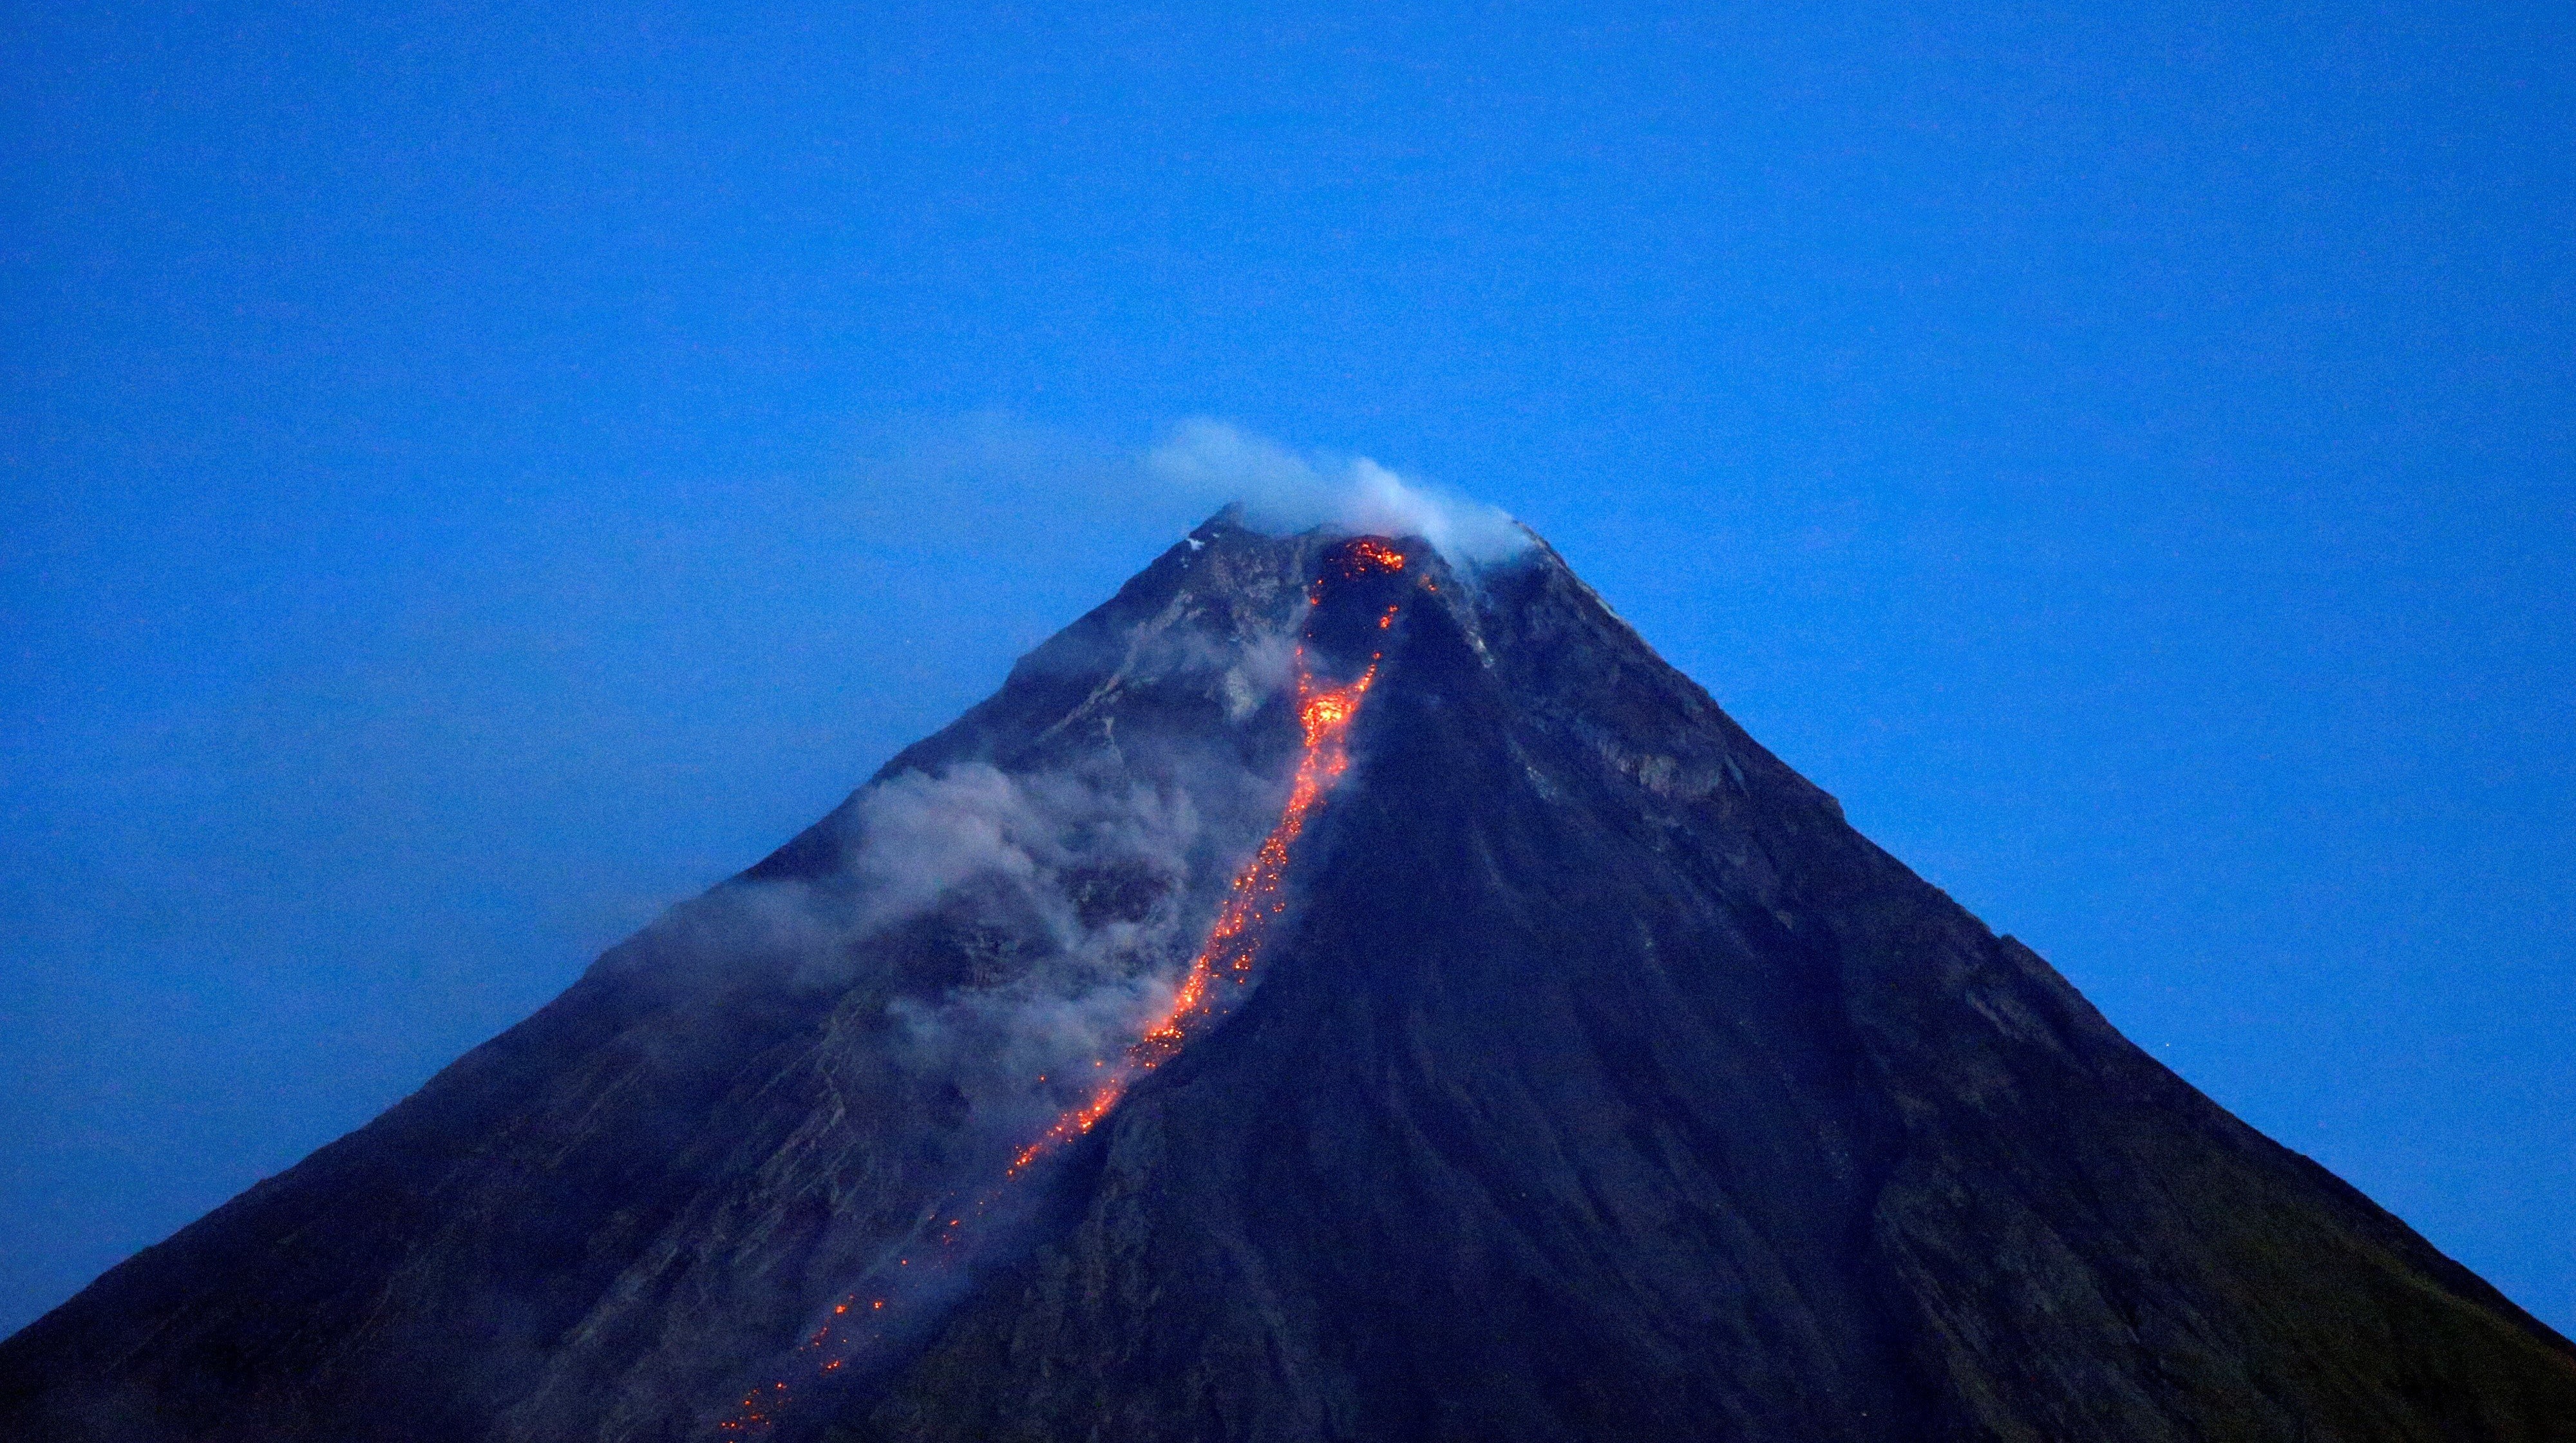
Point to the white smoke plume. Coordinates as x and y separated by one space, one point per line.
1031 853
1284 491
1028 859
1058 909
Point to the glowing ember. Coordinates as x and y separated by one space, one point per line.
1368 556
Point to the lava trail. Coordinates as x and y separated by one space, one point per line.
1255 897
1325 710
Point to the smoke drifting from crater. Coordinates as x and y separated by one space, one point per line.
1282 491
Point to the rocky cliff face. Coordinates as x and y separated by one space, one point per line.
1590 1079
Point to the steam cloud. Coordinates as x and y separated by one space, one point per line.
1085 874
1281 490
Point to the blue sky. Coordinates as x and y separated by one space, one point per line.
472 475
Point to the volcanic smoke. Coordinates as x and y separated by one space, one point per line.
1255 897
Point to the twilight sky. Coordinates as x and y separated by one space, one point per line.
471 475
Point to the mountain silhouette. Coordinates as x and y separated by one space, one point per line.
1326 993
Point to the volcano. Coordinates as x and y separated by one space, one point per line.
1328 992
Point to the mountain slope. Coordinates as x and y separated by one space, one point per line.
1600 1082
1621 1090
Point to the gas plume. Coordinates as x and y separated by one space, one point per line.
1283 491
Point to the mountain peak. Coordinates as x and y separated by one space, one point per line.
1326 992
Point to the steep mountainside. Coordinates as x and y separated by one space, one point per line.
1572 1072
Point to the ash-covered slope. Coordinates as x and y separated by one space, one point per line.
594 1225
1611 1086
1599 1082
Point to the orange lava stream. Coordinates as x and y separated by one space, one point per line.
1325 714
1256 895
1233 944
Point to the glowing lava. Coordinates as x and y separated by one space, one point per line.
1325 714
1256 895
1368 555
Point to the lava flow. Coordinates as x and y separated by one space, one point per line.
1325 714
1256 895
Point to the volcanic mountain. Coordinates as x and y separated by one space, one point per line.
1326 993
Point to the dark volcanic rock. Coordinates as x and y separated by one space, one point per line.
1602 1084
